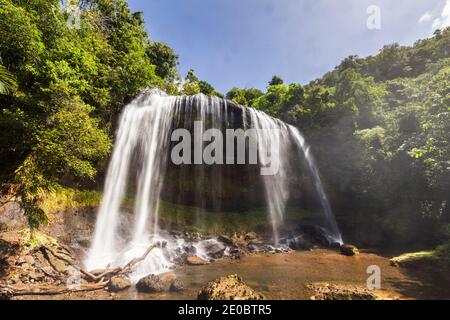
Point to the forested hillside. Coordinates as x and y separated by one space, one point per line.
63 83
379 126
380 129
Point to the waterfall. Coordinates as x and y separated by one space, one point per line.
140 161
273 131
305 149
143 131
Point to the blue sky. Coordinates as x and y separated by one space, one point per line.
244 43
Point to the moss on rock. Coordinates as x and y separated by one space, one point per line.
228 288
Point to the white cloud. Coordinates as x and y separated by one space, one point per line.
444 20
425 18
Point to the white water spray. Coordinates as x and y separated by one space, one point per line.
139 160
305 149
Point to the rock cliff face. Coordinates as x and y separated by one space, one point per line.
72 227
225 187
24 263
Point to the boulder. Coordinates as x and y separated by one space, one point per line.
6 294
150 284
349 250
117 284
300 243
189 249
228 288
176 286
226 240
315 234
251 236
236 253
167 280
57 264
335 245
255 242
168 277
160 283
214 249
325 291
239 240
196 261
36 276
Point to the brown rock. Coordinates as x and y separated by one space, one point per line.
29 260
117 284
57 264
150 284
37 276
325 291
176 286
225 239
228 288
349 250
196 261
167 279
251 236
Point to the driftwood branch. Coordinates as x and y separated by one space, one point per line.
97 281
51 290
107 273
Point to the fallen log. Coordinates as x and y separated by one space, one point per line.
100 281
51 290
107 273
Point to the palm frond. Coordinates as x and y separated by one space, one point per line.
7 81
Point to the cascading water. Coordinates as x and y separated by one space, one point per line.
273 131
305 149
139 163
143 131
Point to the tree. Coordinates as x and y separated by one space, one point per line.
245 97
379 129
191 77
165 60
276 81
71 86
191 88
194 85
7 81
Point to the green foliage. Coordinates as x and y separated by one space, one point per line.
67 198
191 77
32 185
191 88
70 86
272 102
207 222
276 81
7 81
379 128
193 85
165 60
444 250
245 97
